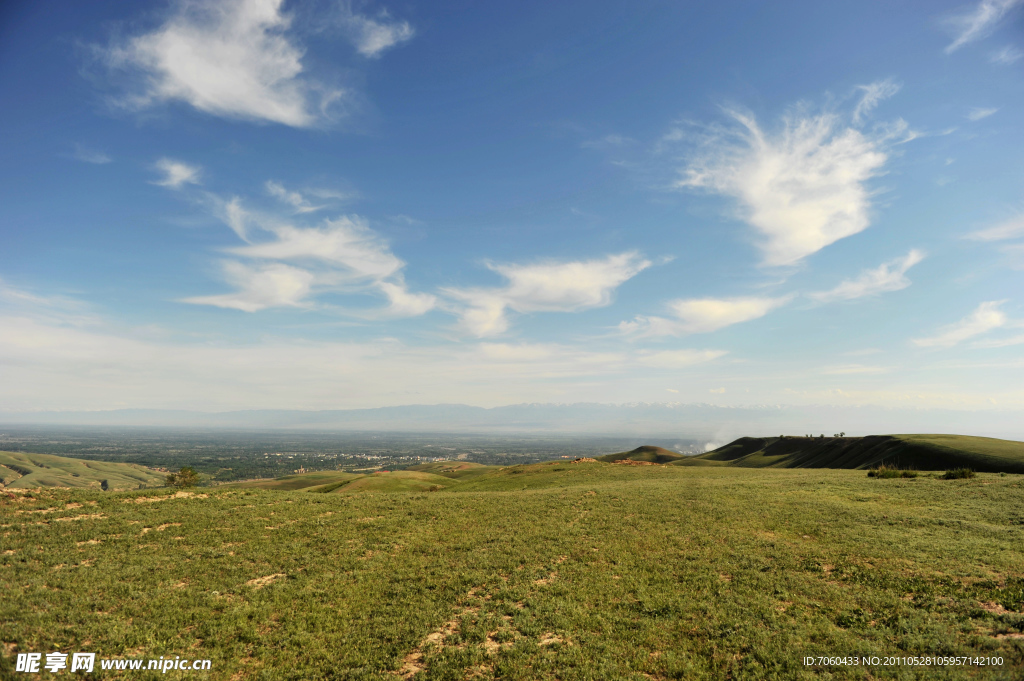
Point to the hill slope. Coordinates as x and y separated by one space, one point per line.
27 471
920 452
644 453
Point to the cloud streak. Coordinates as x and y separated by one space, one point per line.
985 318
874 94
978 22
176 173
889 276
702 315
545 287
286 265
372 37
1010 229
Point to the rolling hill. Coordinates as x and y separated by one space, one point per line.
27 471
919 452
646 453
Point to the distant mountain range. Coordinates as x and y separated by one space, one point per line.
717 424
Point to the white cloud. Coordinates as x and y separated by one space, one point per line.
292 198
978 22
373 36
1010 229
702 315
986 317
290 264
874 93
228 58
176 173
259 287
544 287
976 114
1006 55
802 188
403 302
886 277
91 155
354 251
677 359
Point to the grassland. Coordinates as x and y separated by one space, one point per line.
27 471
547 571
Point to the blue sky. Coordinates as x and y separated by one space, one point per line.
254 204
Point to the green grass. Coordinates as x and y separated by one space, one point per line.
26 471
548 571
298 481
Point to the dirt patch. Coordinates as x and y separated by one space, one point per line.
550 639
631 462
994 608
261 582
584 459
90 516
88 541
544 581
1010 636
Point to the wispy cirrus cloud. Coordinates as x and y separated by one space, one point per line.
88 155
889 276
986 317
544 287
873 95
978 22
702 315
677 359
977 113
283 264
229 58
1008 229
176 174
293 198
373 36
1006 55
258 287
801 188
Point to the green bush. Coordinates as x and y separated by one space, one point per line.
958 473
186 477
884 471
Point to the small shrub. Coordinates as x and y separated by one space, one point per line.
958 473
186 477
884 471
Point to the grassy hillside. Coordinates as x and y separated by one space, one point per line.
647 453
549 571
298 481
26 471
920 452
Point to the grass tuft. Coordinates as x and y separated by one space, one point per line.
958 473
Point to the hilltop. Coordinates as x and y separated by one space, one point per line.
919 452
647 453
26 471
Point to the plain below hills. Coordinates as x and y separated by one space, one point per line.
918 452
429 477
27 471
